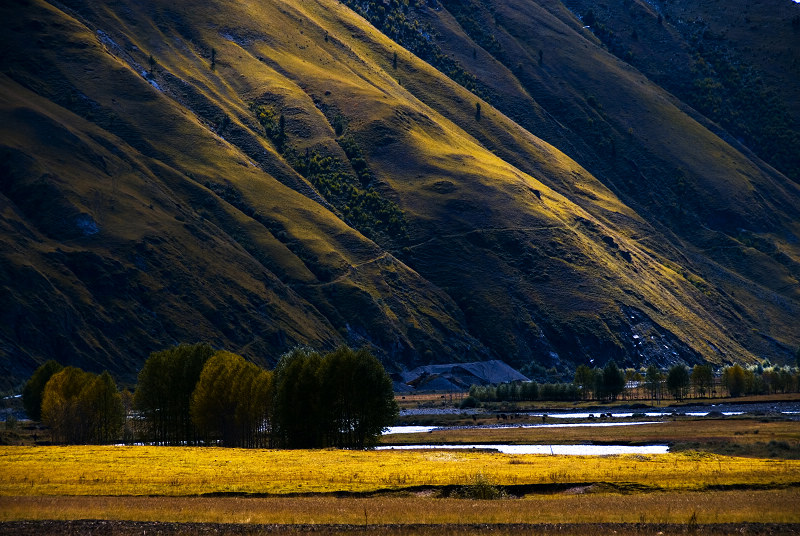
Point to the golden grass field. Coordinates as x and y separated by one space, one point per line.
138 483
45 489
186 471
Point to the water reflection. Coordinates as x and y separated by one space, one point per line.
564 450
629 414
426 429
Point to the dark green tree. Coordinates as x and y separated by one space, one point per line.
599 388
484 393
297 415
213 400
477 111
702 378
344 399
129 421
753 383
613 380
678 381
101 404
504 392
530 390
34 387
164 393
653 379
734 380
584 380
357 398
788 381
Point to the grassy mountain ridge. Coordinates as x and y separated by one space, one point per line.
275 173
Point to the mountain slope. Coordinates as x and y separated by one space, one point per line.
270 174
730 219
164 257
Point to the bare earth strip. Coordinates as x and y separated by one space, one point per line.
579 505
121 528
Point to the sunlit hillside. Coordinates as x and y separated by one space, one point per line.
265 174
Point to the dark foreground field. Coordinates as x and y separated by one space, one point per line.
125 528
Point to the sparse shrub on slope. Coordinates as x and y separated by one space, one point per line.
734 94
274 124
362 207
355 197
397 20
467 13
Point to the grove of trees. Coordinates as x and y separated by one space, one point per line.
653 383
231 402
81 407
164 393
343 399
192 394
678 381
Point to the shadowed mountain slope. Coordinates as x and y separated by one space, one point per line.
276 173
721 214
